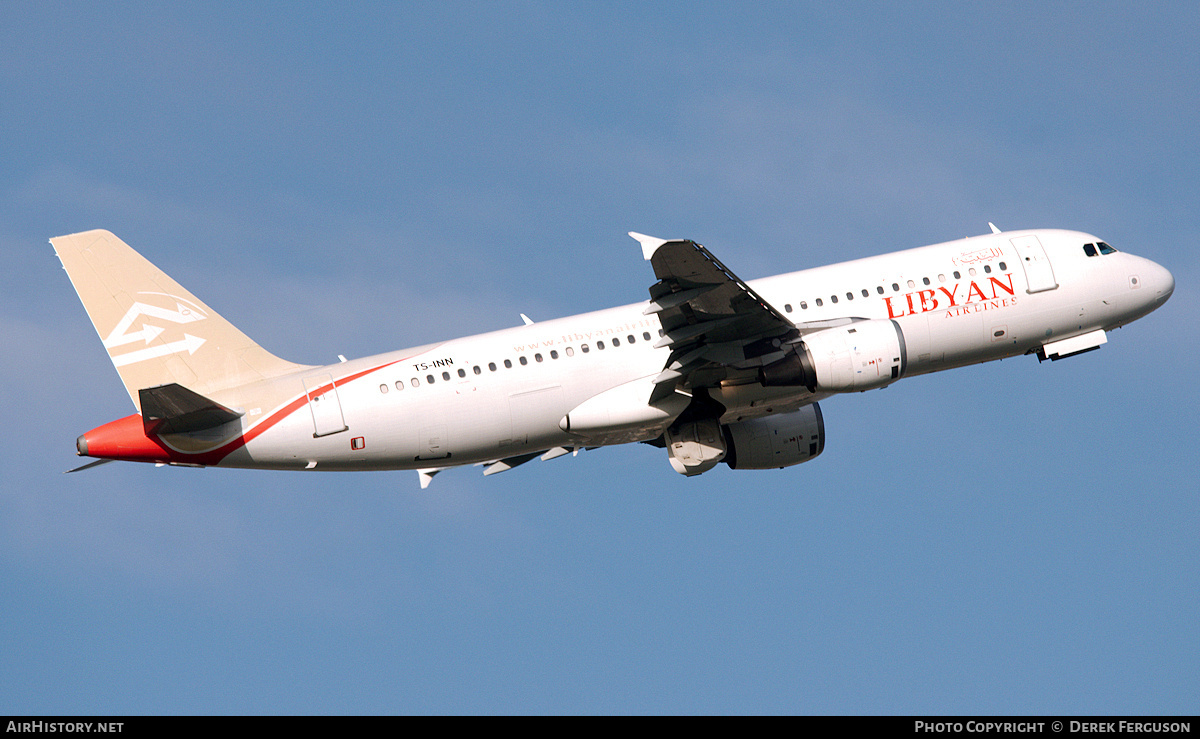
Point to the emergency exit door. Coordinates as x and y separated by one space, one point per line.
1038 272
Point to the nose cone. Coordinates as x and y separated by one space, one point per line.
1157 283
1163 283
1149 286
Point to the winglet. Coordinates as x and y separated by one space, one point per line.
649 243
426 475
994 229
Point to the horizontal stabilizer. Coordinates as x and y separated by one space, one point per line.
90 465
173 409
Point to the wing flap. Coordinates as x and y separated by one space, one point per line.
506 464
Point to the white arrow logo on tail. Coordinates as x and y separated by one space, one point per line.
189 344
121 334
147 334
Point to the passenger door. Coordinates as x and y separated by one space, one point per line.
324 404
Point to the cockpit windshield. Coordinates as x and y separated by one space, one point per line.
1091 249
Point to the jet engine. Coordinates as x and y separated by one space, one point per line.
775 441
766 443
859 356
695 446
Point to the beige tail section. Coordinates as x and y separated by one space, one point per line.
155 331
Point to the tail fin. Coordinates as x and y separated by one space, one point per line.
156 332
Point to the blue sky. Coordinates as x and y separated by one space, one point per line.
1009 538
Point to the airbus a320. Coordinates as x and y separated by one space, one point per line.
711 368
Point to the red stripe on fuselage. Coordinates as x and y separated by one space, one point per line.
125 438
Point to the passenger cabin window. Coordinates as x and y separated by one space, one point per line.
599 344
416 382
462 373
833 298
399 384
957 275
941 278
616 341
570 350
866 292
925 280
584 348
987 269
554 354
849 296
492 366
803 305
429 379
646 335
787 307
879 289
1003 265
522 360
508 364
477 370
383 388
819 303
630 339
446 376
537 357
895 287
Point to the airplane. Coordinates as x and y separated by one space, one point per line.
711 368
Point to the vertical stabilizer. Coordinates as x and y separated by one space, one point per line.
156 332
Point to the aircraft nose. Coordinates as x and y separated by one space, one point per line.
1161 282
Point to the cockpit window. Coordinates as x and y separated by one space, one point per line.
1105 248
1089 249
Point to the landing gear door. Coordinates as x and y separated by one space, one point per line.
324 404
1038 272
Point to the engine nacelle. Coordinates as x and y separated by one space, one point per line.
695 447
775 441
859 356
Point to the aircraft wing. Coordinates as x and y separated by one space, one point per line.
717 327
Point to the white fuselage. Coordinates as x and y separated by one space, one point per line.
504 393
